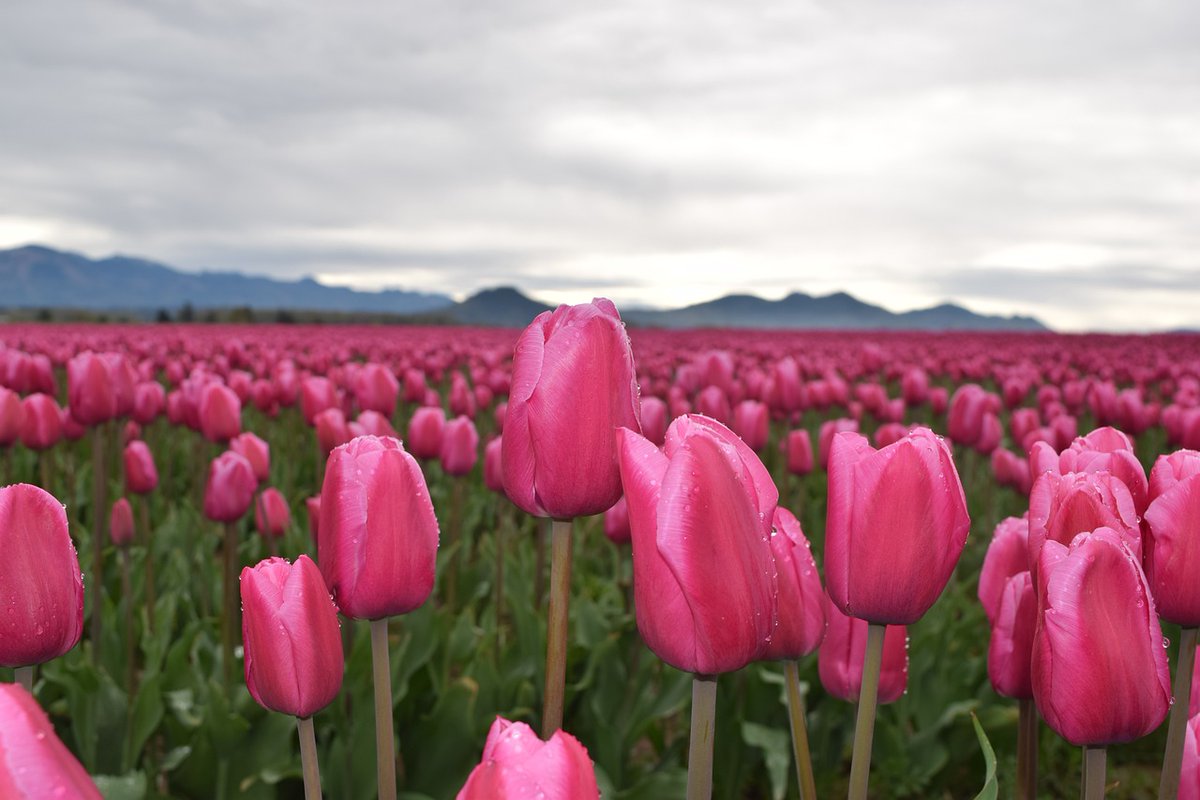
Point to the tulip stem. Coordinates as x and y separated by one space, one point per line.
24 676
1094 766
385 752
1168 786
229 614
151 592
308 757
498 538
1027 749
130 651
864 728
556 631
804 770
700 745
99 515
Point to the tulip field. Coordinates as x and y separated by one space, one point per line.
276 561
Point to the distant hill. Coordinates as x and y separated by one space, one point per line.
39 277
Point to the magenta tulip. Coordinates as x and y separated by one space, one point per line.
1172 540
1007 555
700 513
377 535
1108 450
141 476
797 449
1099 667
801 600
517 765
256 451
220 413
41 422
120 523
229 490
493 466
271 513
41 586
829 429
12 414
752 423
573 385
149 401
1189 783
91 389
840 660
655 419
616 523
425 431
316 395
1062 506
376 389
34 763
460 446
1010 650
292 639
897 522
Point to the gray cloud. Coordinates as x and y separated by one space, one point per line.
664 153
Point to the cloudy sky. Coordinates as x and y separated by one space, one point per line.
1027 156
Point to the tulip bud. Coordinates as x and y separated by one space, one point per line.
34 763
331 429
700 514
230 487
897 522
967 409
1172 540
1189 783
377 536
375 424
316 395
518 765
292 638
141 476
493 466
751 422
654 419
425 431
90 389
1062 506
616 523
1011 648
1007 555
460 446
41 587
573 386
829 429
120 523
797 447
149 401
313 506
271 513
1109 450
1099 667
41 423
12 414
840 661
220 413
801 600
256 451
376 389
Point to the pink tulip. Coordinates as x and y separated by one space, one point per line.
801 600
939 399
90 389
493 466
751 422
220 413
713 402
41 423
517 765
889 433
313 506
828 430
897 522
460 446
141 476
316 395
700 513
1099 668
12 416
377 536
654 419
1062 506
292 639
499 414
34 763
1172 539
425 431
331 429
1007 555
967 409
1011 470
1109 450
1010 650
41 587
797 449
990 435
149 401
1189 783
616 523
462 400
840 661
229 490
271 513
376 389
375 424
120 523
256 451
573 386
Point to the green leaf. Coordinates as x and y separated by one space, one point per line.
777 752
147 713
123 787
990 790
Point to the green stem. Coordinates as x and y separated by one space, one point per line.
222 777
385 752
498 537
804 770
127 590
151 591
99 517
1168 786
864 729
1093 772
700 746
308 757
1027 750
24 676
229 614
556 630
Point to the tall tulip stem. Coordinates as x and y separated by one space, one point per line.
151 592
130 644
556 631
99 517
229 613
24 676
385 752
308 757
1027 750
700 746
1094 767
864 728
1168 786
804 770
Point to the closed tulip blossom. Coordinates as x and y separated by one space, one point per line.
41 586
493 467
801 600
331 429
375 424
120 524
829 429
797 449
91 389
1108 450
1099 668
220 413
425 431
1011 648
655 418
377 534
1007 555
1062 506
41 422
34 763
376 389
313 506
229 490
1172 541
149 401
316 395
897 522
752 422
256 451
271 513
517 765
573 385
840 661
1189 783
616 523
141 476
12 414
460 446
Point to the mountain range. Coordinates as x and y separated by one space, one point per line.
40 277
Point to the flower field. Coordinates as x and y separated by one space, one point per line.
147 688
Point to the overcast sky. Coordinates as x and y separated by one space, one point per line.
1024 156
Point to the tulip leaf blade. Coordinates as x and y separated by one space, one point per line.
990 789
